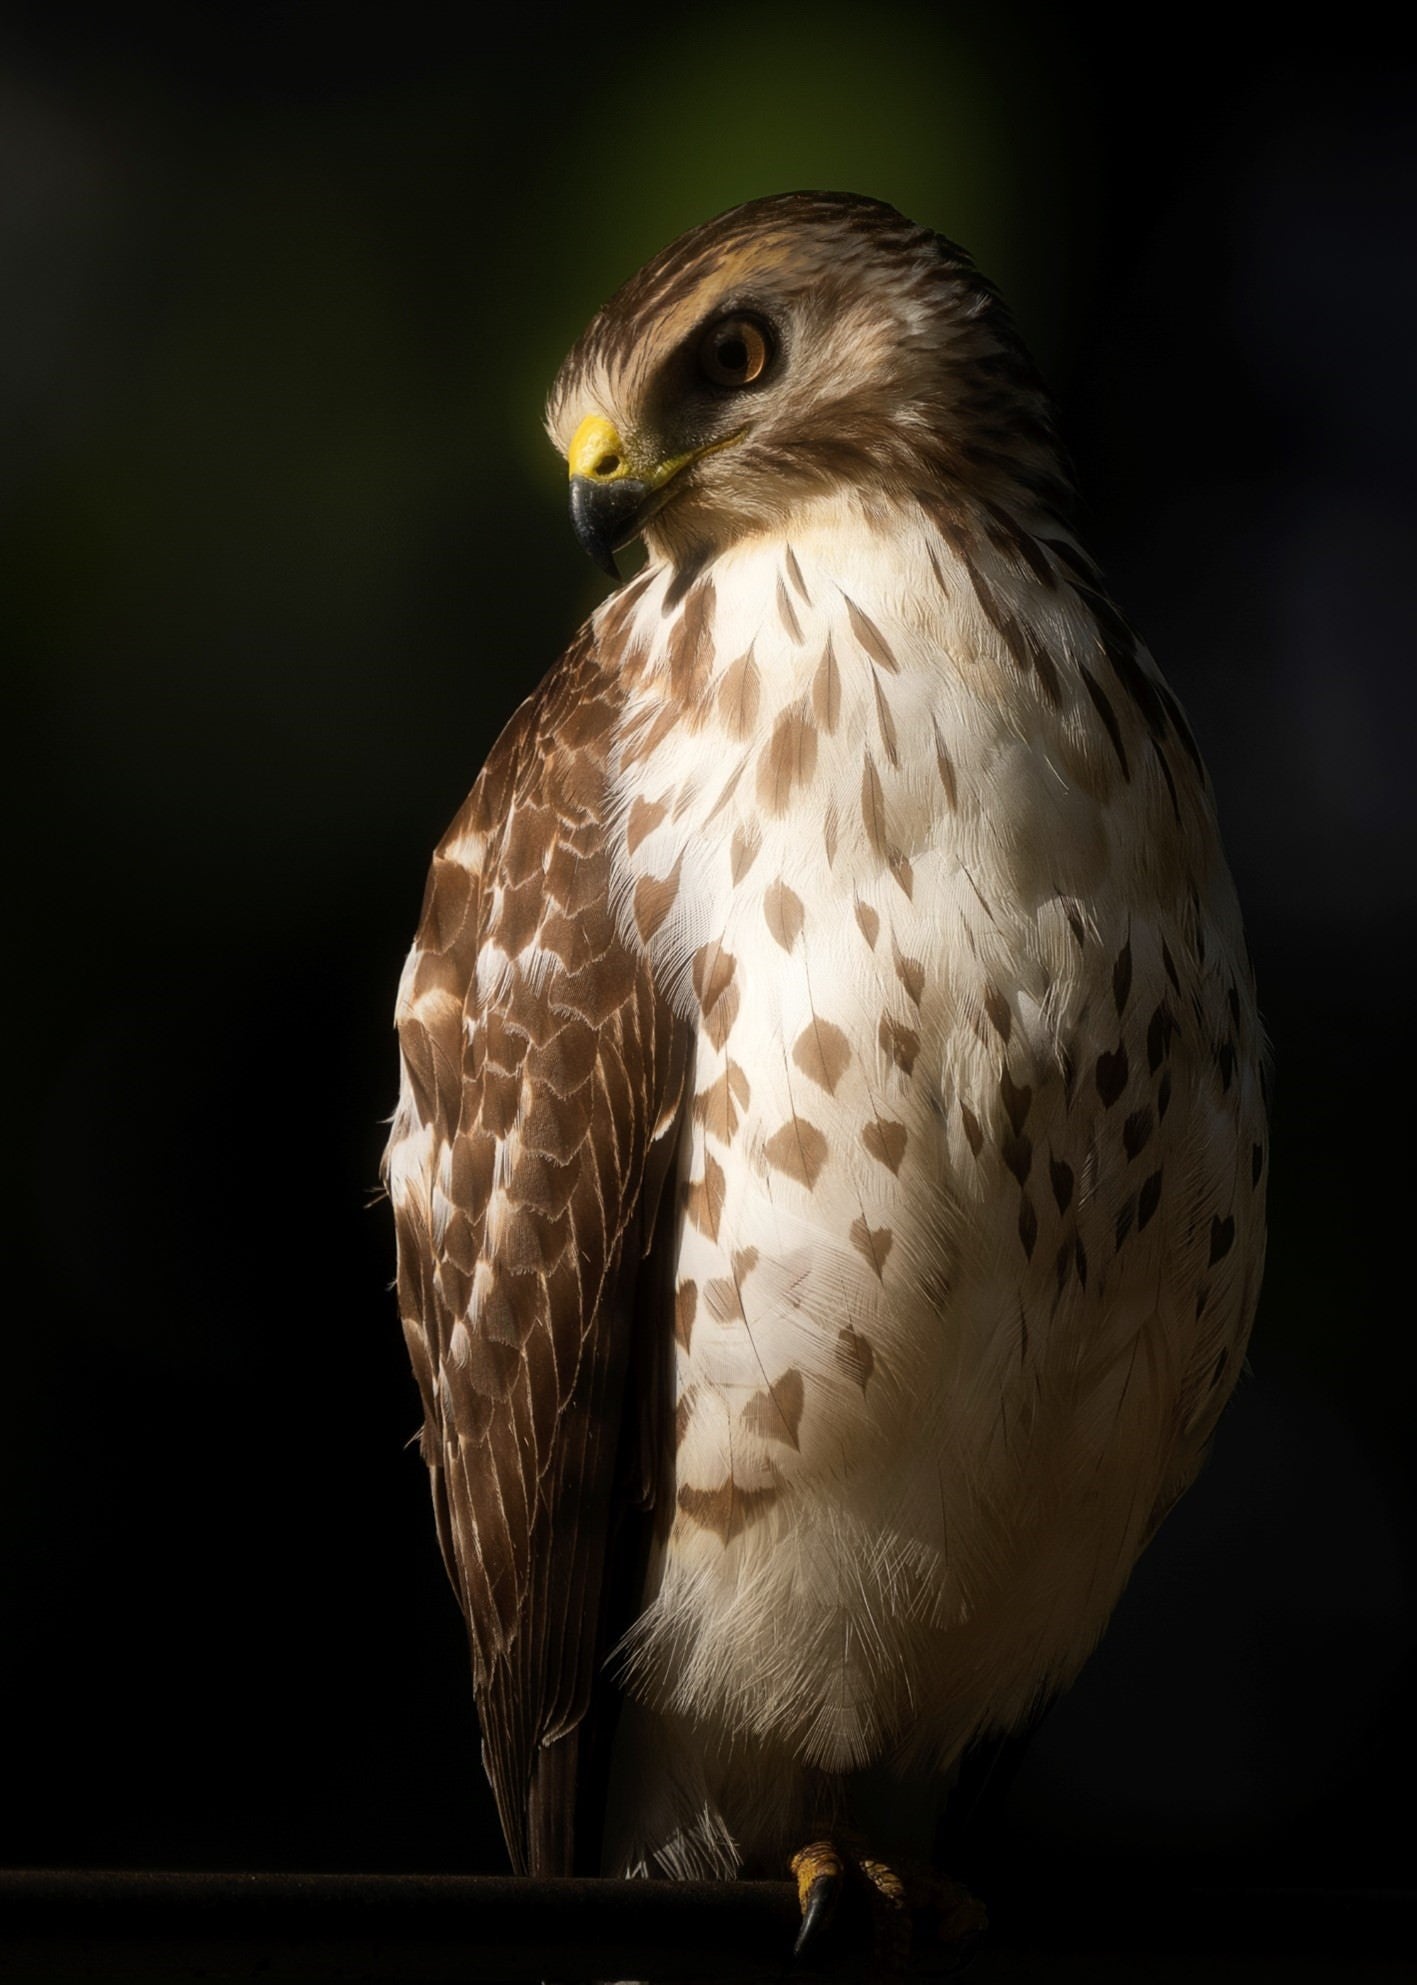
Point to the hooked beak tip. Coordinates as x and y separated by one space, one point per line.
604 515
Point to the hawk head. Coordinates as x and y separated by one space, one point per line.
790 347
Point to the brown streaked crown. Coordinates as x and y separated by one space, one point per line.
894 368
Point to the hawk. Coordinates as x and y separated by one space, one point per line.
830 1156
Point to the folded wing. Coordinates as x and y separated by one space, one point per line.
542 1084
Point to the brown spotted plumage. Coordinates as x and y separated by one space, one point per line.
543 1079
829 1168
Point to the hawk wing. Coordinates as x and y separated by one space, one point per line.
542 1082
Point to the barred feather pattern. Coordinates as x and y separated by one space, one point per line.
542 1076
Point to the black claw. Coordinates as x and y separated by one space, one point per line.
817 1912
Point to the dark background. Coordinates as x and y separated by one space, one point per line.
283 548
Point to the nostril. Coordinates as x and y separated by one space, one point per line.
607 465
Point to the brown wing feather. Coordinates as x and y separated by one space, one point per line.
543 1076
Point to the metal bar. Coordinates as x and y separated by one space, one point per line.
84 1926
476 1930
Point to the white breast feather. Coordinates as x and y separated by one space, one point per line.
935 1454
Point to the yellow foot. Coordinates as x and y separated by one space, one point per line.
919 1922
821 1875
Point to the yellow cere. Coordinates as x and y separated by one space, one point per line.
597 451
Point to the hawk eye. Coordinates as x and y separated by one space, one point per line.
735 351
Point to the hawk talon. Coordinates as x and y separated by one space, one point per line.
817 1913
920 1917
820 1873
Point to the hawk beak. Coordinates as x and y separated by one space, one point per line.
604 515
613 496
608 497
